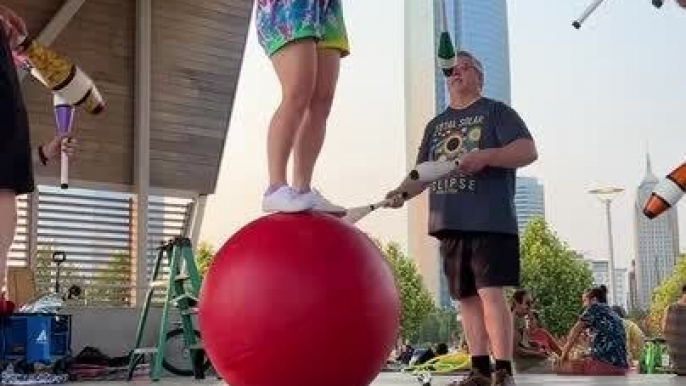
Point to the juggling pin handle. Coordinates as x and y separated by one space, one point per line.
64 171
591 8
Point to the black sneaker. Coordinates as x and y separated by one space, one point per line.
473 379
502 378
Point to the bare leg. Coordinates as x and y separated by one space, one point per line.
296 67
473 324
310 137
498 320
8 225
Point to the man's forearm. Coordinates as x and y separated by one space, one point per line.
517 154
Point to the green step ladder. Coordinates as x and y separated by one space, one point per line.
181 291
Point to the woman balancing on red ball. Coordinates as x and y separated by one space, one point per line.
16 156
305 41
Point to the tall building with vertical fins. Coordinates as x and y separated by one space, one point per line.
657 242
481 28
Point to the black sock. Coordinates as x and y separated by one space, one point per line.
482 364
503 365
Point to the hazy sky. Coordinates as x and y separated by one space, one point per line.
595 99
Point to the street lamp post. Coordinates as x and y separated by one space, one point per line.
606 195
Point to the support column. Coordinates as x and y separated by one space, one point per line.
142 145
32 201
197 218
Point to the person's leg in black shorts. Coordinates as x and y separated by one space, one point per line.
478 268
16 171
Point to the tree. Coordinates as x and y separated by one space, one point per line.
98 286
666 293
440 326
415 300
203 257
555 275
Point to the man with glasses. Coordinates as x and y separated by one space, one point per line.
528 357
472 212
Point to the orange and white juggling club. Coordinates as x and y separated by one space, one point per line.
666 193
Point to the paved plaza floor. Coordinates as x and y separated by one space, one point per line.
400 379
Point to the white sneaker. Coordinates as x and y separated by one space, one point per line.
321 204
285 199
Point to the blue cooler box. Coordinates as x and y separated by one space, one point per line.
36 338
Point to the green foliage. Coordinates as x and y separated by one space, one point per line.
440 326
203 257
666 293
555 275
415 298
98 286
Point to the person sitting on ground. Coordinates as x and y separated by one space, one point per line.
405 354
608 355
675 333
635 338
541 337
432 352
528 357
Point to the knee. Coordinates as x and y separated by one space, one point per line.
320 105
298 97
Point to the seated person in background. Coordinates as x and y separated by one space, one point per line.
541 337
432 352
674 329
608 355
528 357
635 339
405 354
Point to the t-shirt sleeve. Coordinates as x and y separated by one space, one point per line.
509 125
424 147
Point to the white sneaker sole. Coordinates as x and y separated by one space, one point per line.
291 208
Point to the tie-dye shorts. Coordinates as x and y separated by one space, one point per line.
280 22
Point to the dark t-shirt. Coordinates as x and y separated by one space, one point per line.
479 203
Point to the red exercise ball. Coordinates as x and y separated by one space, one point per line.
299 300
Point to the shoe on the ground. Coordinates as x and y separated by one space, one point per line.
320 204
502 378
474 378
285 199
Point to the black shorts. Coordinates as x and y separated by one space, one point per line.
16 169
475 260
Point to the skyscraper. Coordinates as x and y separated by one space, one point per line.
600 270
479 27
529 200
657 242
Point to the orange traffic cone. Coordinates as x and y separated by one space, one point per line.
666 193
